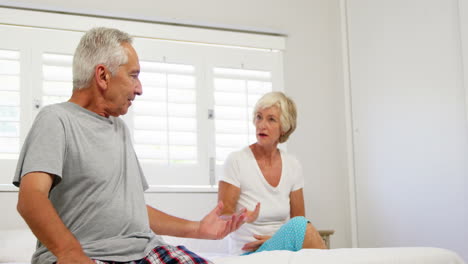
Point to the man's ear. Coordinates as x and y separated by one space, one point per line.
101 76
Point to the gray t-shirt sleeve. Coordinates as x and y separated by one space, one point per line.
44 148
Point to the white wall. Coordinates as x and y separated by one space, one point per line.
312 70
411 136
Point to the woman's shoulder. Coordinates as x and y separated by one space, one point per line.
288 157
240 154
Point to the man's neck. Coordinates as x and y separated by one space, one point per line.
89 99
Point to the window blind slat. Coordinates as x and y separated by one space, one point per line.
57 78
242 73
9 103
9 67
57 60
149 108
229 85
147 66
236 91
9 98
9 145
181 81
9 113
57 88
57 73
9 83
165 124
230 126
9 55
9 129
142 122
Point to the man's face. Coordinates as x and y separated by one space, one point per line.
124 86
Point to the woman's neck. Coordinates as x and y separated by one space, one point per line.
267 154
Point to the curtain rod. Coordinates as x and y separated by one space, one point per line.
163 21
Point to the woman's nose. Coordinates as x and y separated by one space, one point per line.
261 124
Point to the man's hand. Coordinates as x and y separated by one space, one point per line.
252 246
253 215
215 226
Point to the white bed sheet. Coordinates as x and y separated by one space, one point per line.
404 255
340 256
17 246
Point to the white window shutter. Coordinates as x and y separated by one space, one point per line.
57 78
164 119
176 141
9 103
236 92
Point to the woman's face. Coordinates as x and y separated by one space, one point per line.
268 126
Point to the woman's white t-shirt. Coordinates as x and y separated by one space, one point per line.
241 170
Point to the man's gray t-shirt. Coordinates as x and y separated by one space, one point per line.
98 187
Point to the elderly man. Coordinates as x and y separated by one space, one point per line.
80 184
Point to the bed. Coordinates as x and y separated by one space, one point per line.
16 247
409 255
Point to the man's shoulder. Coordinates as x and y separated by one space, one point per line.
53 111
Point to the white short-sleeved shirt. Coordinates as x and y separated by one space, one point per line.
241 170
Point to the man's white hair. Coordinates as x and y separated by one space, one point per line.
98 46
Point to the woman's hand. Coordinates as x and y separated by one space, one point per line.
253 215
252 246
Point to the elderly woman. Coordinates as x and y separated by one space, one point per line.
261 175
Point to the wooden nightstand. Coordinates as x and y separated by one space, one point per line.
326 236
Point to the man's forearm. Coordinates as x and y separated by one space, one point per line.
40 215
164 224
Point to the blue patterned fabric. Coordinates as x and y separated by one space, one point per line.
289 237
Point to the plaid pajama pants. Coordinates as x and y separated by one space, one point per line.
165 255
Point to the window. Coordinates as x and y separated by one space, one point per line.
236 91
57 79
9 103
164 119
197 98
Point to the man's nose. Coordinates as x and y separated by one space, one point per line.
139 88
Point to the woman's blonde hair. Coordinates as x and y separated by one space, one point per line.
287 109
